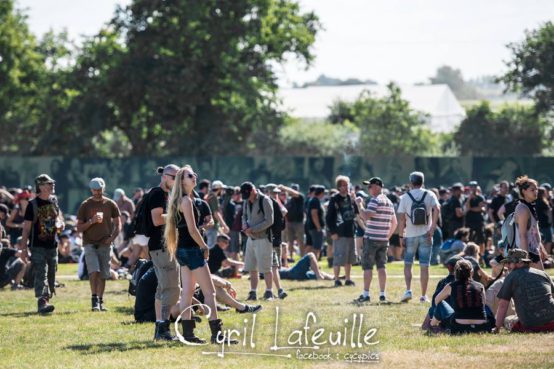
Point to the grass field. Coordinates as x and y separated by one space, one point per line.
75 337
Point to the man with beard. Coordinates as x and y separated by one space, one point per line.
99 219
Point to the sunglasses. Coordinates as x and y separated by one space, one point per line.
171 176
191 175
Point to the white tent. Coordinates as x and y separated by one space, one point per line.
436 100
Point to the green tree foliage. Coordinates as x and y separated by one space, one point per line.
531 69
388 126
299 138
513 130
454 79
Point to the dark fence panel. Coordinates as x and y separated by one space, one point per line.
73 174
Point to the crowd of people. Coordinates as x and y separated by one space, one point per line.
182 241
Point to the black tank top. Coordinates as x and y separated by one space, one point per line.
467 300
185 240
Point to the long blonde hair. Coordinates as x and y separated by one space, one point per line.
171 232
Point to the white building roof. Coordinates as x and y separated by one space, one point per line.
436 100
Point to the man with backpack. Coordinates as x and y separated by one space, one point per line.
419 211
257 219
167 270
43 221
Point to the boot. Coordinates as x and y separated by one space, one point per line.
43 306
95 303
215 327
162 332
188 332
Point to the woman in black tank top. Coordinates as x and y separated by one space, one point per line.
185 243
462 303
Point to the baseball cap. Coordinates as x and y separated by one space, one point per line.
118 193
473 184
457 186
516 256
217 184
97 184
270 187
547 186
246 189
374 180
44 178
295 186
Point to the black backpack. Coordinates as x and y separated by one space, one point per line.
141 267
142 221
418 211
278 219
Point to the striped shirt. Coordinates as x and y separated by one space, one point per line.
380 221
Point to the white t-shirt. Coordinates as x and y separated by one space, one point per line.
405 206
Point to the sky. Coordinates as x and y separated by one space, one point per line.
383 40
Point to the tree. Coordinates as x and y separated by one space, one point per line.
389 127
531 69
454 79
513 130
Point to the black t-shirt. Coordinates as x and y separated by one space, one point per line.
475 219
157 198
203 208
145 297
453 221
43 232
295 208
5 255
229 212
314 203
495 205
217 256
543 213
340 215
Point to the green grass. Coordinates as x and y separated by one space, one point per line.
74 337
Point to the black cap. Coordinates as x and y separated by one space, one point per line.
295 186
374 180
246 189
44 178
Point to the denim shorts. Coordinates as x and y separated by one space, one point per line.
423 245
192 258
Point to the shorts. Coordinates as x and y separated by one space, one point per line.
140 240
98 259
167 272
258 256
193 258
234 242
344 251
421 244
546 234
276 257
477 235
317 239
374 253
395 240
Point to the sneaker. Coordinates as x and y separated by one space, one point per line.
222 307
95 304
43 306
282 294
349 282
338 283
268 295
16 287
101 305
424 299
407 296
252 296
382 298
250 309
362 298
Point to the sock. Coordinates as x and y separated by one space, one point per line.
94 296
410 291
269 290
365 293
382 293
253 291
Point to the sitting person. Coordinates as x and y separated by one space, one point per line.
301 270
146 291
471 254
455 245
450 264
12 268
460 306
492 291
64 249
218 259
532 291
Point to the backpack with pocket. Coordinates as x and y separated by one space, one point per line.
278 219
508 232
142 221
418 211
